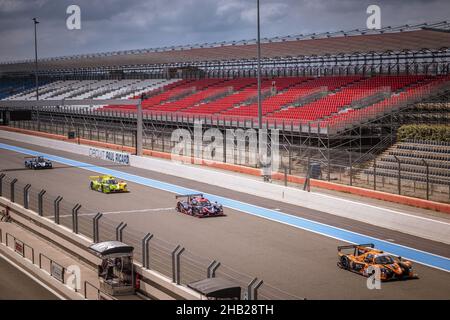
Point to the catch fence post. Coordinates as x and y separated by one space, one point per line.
56 203
75 218
145 254
41 202
95 234
211 271
13 183
26 198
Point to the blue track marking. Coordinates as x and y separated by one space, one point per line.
416 255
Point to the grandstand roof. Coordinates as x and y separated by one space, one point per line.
412 38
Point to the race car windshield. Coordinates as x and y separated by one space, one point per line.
112 182
384 260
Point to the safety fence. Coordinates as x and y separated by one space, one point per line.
174 261
422 181
329 164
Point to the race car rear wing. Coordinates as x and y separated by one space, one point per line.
189 195
95 177
354 246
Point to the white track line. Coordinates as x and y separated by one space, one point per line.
118 212
386 209
39 282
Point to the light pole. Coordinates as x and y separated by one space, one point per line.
36 58
36 72
259 68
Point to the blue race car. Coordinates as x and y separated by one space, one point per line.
38 163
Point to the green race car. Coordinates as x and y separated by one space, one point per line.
107 184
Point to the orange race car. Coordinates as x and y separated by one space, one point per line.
365 255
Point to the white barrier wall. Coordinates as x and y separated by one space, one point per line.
92 152
428 228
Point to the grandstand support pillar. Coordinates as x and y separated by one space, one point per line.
329 162
375 174
427 166
351 167
290 158
139 128
285 175
399 179
307 185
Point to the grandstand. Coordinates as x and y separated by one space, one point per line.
92 89
411 155
338 98
9 87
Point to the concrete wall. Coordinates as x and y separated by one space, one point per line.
415 225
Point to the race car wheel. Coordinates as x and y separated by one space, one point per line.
91 186
345 263
178 208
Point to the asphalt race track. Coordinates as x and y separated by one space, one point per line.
298 261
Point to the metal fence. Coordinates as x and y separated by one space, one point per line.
174 261
336 165
368 174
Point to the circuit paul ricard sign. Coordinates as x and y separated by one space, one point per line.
113 156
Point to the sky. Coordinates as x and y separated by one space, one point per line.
112 25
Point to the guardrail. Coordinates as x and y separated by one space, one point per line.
175 262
